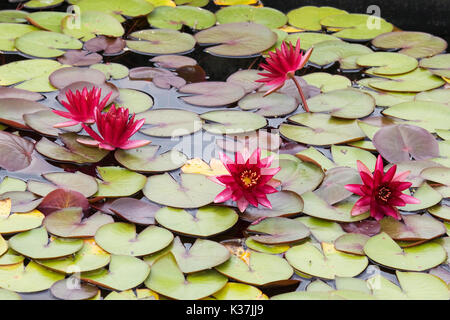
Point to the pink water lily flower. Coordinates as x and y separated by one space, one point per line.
114 130
381 193
282 65
81 105
249 180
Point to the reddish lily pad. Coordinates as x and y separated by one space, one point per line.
332 189
278 230
63 198
13 109
414 228
239 39
352 243
400 142
66 76
109 45
70 223
80 58
135 211
10 92
15 152
366 227
173 61
147 159
161 78
66 290
22 201
212 93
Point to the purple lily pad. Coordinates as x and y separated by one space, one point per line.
108 45
162 78
79 58
173 61
366 227
212 93
135 211
22 201
63 77
13 109
15 152
44 121
332 189
63 198
65 290
401 142
10 92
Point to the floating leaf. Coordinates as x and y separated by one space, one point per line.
332 189
43 122
269 17
65 290
69 223
21 202
246 79
15 152
347 157
414 228
10 92
124 272
135 211
322 230
352 243
79 58
232 122
117 8
382 249
13 109
212 93
147 159
13 16
239 291
170 122
277 230
67 76
239 39
206 222
35 244
197 165
400 142
166 278
116 71
10 32
47 20
118 182
387 63
428 197
109 45
414 44
160 41
9 184
309 17
61 199
165 17
437 174
46 44
274 105
326 262
327 82
173 61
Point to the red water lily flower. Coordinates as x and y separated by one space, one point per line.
282 65
381 192
80 106
115 129
249 181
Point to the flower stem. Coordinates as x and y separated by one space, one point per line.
300 91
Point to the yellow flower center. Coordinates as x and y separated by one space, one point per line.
249 178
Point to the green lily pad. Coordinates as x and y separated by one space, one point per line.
323 230
269 17
414 228
13 16
240 39
35 244
385 251
344 103
117 8
19 222
274 105
316 157
47 20
317 207
124 272
388 99
29 278
115 71
387 63
121 239
43 122
193 190
327 82
436 95
441 211
356 27
10 32
89 24
256 268
69 223
212 93
321 129
30 74
9 295
10 184
277 230
232 122
202 255
71 152
284 204
118 182
77 181
90 257
205 222
166 278
325 262
437 174
328 52
175 17
411 43
161 41
266 248
347 157
66 290
298 176
134 100
42 4
11 258
147 159
428 197
414 81
438 65
46 44
352 243
170 122
309 17
141 294
239 291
